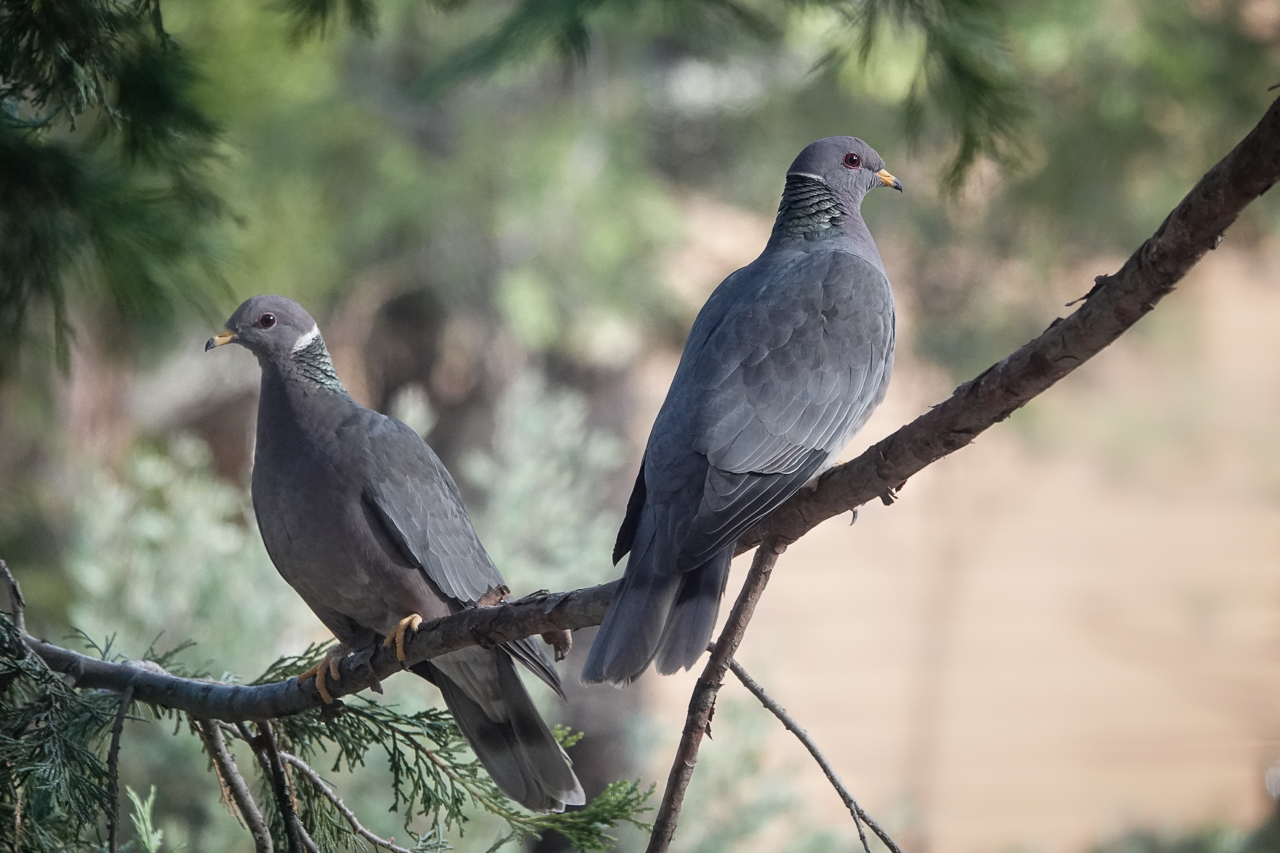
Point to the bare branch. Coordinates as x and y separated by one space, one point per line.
15 597
535 614
702 703
233 783
113 772
332 796
859 815
265 747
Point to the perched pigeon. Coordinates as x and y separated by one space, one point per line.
362 519
784 363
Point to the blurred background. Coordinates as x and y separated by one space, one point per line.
505 217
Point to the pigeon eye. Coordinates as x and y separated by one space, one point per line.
266 321
852 161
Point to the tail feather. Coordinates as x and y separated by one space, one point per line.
632 629
517 749
693 616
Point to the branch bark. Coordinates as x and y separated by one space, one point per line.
233 783
702 704
113 772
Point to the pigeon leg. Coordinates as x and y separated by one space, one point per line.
408 623
330 663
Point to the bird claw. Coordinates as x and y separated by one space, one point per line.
494 596
330 663
561 641
408 623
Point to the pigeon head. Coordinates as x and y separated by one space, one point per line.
846 164
271 327
824 190
283 336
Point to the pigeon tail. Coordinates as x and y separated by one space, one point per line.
693 617
633 627
518 750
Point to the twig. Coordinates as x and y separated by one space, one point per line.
270 757
15 597
859 815
113 770
332 796
233 783
17 807
703 701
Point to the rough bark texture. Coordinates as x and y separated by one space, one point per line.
702 704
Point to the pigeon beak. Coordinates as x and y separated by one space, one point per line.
226 336
889 180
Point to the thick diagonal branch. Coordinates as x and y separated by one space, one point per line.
1113 306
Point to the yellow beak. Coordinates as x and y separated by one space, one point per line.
889 180
226 336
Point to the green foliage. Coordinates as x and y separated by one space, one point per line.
104 167
544 485
566 736
52 737
966 75
53 782
149 838
166 553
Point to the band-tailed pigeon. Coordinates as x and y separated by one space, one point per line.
364 522
785 362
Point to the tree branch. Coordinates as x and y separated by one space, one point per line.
487 626
332 796
265 746
15 597
233 783
859 815
113 772
702 704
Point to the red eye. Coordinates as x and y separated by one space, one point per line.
852 161
266 321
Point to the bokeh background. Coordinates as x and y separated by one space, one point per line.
1066 636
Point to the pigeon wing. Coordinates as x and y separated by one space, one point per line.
418 505
784 381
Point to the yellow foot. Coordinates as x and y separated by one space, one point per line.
408 623
332 660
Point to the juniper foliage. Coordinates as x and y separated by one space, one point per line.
54 782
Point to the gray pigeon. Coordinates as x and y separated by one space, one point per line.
364 522
784 363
